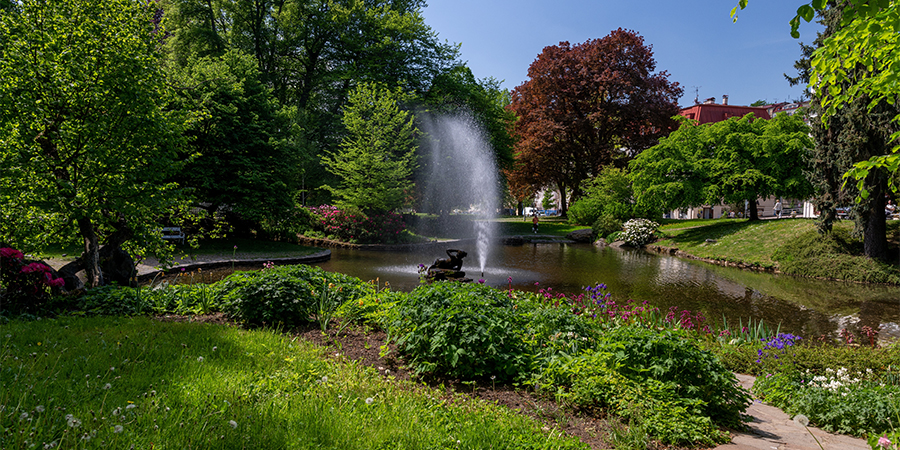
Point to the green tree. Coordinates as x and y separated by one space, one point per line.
724 162
377 157
868 38
241 157
608 194
85 142
852 134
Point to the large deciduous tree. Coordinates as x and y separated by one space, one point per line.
588 105
239 144
854 133
724 162
377 156
85 141
860 62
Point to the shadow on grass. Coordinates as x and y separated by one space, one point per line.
699 234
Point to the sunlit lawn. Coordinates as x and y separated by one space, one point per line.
139 383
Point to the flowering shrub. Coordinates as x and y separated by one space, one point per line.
354 226
776 343
638 232
27 285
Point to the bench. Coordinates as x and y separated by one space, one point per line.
173 234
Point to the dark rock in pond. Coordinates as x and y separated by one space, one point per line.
584 236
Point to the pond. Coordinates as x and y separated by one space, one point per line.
801 306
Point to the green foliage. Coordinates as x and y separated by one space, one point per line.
724 162
377 156
460 330
835 255
87 140
661 379
286 295
609 194
370 309
841 401
349 224
606 225
239 156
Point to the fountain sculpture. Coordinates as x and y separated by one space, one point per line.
448 269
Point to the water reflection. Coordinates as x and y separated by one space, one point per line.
808 307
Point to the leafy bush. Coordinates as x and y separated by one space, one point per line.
460 330
370 309
606 225
638 232
608 194
24 286
353 226
285 295
677 391
835 255
841 400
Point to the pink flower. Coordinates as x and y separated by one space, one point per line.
7 252
35 267
884 442
59 282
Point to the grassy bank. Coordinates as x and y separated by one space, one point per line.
137 382
791 246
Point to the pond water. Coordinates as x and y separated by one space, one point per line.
802 306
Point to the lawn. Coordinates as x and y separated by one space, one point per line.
137 382
553 226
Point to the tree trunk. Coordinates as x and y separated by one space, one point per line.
91 253
563 201
874 226
754 211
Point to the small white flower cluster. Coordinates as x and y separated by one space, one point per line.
835 380
638 232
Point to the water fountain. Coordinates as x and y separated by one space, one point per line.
461 175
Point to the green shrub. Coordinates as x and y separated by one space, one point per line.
461 330
841 400
606 225
585 210
835 255
285 295
370 309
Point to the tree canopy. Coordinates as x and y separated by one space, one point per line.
869 37
85 141
724 162
377 157
588 105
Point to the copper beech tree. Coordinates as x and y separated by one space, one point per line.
586 106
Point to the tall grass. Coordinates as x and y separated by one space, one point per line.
123 382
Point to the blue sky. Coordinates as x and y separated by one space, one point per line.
695 41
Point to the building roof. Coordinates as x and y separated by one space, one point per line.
714 112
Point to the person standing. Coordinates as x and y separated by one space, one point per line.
534 223
778 208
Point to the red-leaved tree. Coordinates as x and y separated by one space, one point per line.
588 105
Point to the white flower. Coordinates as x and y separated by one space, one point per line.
801 419
39 408
23 416
72 421
200 358
131 406
369 400
232 423
107 386
118 429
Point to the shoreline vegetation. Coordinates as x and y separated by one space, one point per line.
594 371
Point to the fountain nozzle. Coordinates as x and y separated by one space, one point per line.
482 274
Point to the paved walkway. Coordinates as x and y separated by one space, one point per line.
772 429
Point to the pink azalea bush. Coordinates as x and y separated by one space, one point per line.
356 227
24 286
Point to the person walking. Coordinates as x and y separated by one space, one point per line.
778 208
534 223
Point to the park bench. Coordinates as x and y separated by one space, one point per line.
173 234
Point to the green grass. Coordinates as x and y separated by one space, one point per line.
117 382
552 226
736 240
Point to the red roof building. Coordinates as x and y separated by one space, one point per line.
709 111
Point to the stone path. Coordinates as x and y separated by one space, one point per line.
772 429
